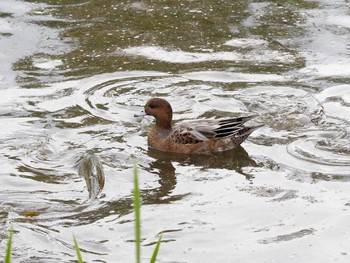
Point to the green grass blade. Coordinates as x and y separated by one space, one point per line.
77 250
8 251
137 206
156 249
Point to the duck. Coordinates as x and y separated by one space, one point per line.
205 136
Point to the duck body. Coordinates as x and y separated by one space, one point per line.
194 137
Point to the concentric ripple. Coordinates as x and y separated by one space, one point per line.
328 145
282 108
114 98
96 115
329 148
336 101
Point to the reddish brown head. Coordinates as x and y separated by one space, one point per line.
161 110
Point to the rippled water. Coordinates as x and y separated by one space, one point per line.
73 75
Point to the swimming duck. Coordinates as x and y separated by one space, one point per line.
193 137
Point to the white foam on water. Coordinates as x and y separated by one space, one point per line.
229 77
328 70
47 64
245 42
183 57
342 21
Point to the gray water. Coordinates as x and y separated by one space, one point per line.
73 73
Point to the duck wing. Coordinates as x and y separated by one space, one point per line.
191 132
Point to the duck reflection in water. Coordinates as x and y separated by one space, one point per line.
235 160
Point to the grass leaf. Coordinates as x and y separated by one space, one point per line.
8 251
137 206
156 249
77 250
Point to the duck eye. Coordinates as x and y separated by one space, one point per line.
152 106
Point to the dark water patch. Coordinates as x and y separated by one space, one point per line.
288 237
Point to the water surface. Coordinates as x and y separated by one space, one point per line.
73 74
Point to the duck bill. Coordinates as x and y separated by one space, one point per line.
140 114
